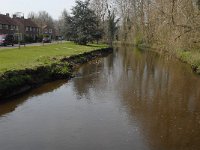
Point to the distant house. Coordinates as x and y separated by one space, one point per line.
49 31
7 25
58 35
27 27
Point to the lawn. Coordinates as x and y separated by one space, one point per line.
29 57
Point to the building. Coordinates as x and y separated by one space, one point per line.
21 28
49 31
7 25
27 28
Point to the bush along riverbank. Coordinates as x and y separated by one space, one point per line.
15 82
190 57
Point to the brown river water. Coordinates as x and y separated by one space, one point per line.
130 100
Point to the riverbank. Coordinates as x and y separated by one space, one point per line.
20 80
191 57
34 56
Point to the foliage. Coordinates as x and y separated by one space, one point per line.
167 25
112 26
41 18
98 35
83 24
62 25
190 57
29 39
108 19
14 81
39 38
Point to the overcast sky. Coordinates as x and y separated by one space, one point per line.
53 7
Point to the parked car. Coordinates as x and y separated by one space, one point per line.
6 39
46 40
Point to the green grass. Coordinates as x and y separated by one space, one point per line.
29 57
190 57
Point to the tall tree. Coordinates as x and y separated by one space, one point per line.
84 23
112 26
41 18
64 24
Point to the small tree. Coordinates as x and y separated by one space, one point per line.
64 24
84 24
112 26
98 35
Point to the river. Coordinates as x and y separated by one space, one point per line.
130 100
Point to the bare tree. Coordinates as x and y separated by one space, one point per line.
173 24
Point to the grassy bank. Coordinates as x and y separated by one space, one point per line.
30 57
29 67
190 57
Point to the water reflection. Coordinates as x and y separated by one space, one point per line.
94 75
9 106
161 93
164 95
131 99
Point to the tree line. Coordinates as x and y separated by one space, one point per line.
164 24
85 24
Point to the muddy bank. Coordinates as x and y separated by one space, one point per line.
16 82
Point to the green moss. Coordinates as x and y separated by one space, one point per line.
190 57
138 39
14 81
185 56
60 69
